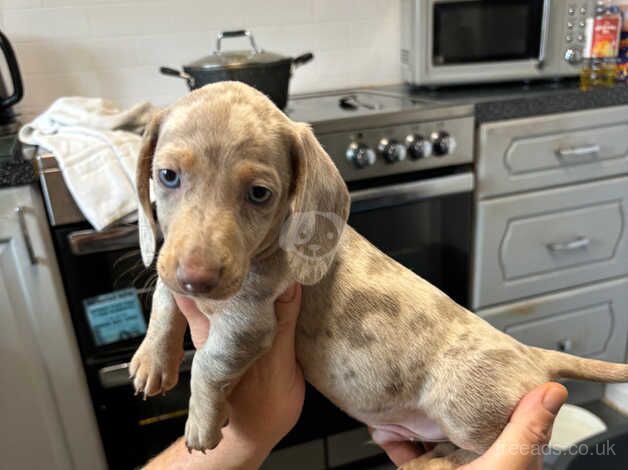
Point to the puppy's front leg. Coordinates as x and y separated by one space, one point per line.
155 364
236 339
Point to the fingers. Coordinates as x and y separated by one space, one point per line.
401 452
520 445
287 309
198 322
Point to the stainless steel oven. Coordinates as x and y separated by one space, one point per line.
424 224
447 42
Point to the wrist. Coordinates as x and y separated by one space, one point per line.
246 453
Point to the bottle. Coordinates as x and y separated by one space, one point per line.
600 54
622 58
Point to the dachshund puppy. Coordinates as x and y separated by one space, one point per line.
249 202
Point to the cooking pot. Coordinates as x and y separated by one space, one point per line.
268 72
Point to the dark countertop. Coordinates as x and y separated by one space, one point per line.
15 170
497 102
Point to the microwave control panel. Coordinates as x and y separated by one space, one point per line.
575 31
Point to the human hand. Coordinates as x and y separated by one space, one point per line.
520 444
268 400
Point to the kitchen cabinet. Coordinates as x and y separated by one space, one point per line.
524 154
550 262
47 419
548 240
592 320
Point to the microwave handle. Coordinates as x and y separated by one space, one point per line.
394 195
544 34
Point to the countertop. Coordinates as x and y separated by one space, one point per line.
497 102
15 169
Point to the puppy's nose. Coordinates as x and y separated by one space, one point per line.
197 279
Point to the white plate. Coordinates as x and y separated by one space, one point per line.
573 425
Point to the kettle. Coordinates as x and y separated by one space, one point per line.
8 101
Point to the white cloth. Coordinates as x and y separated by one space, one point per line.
96 146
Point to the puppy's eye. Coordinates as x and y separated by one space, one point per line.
169 178
259 194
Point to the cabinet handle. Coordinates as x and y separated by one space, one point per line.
577 244
20 211
85 242
578 153
118 374
564 345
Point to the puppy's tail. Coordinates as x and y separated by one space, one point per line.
563 365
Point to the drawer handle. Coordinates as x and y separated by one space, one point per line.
564 345
21 217
577 244
578 153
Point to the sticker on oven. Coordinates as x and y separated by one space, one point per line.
115 316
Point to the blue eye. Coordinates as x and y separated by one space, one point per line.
259 194
169 178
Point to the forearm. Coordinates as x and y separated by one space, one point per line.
233 453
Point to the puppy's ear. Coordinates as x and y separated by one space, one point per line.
320 207
145 219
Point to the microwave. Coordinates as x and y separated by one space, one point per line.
449 42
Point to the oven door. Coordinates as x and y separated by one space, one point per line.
478 40
425 225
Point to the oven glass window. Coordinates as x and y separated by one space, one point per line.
486 31
431 237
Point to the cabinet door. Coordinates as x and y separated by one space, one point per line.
540 242
47 421
589 321
523 154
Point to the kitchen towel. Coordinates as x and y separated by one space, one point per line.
96 145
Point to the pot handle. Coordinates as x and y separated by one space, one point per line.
236 34
302 59
178 73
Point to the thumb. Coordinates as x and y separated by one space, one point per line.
519 447
287 308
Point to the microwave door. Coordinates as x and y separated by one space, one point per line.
489 37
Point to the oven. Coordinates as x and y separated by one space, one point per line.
447 42
424 225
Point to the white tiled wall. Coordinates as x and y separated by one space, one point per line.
113 48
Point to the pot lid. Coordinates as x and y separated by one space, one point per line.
236 59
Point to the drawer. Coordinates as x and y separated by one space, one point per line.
591 321
539 242
532 153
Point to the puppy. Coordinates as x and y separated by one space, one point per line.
249 202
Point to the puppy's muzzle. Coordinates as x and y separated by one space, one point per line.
194 278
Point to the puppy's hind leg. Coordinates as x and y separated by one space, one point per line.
444 456
155 364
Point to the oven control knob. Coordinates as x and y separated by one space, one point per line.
442 143
392 150
361 155
573 55
418 146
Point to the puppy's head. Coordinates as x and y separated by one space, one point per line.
234 179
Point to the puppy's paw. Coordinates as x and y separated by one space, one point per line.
203 429
154 369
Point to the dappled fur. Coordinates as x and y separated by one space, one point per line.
374 337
